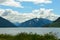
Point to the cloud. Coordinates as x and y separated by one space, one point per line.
45 13
37 1
17 3
10 3
16 17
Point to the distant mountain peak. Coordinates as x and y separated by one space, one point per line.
36 22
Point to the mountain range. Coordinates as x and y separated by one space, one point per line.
16 17
36 22
35 19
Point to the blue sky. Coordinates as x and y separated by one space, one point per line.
30 6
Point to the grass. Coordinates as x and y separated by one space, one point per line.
29 36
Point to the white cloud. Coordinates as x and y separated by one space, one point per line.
15 16
45 13
10 3
37 1
18 2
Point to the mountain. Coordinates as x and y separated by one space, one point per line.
56 23
36 22
58 20
17 17
5 23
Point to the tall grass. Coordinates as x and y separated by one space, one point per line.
29 36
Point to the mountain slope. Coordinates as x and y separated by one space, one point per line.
56 23
5 23
58 20
36 22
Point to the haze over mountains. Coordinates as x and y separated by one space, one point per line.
46 16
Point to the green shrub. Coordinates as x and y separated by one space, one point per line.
29 36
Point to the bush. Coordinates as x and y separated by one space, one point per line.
30 36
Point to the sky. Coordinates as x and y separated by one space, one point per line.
27 6
23 10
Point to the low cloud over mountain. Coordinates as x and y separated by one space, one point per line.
17 18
